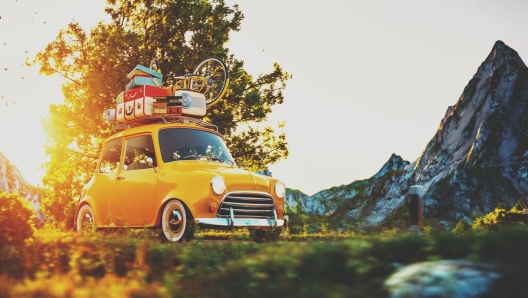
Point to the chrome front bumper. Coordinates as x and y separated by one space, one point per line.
240 222
232 222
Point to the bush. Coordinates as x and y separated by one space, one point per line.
16 219
61 214
462 227
501 216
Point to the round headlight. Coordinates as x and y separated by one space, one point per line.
280 189
218 185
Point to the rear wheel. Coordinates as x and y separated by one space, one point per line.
215 73
85 219
174 226
260 236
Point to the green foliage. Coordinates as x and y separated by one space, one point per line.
490 220
132 264
452 245
407 248
462 227
94 65
501 216
520 205
296 219
16 227
16 219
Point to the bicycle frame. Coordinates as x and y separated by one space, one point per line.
191 82
195 83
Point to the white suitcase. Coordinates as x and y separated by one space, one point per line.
120 112
144 107
129 110
193 102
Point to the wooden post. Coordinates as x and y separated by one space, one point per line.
416 209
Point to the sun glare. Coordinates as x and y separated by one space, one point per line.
25 28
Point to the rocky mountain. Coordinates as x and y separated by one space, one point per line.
477 159
346 198
11 180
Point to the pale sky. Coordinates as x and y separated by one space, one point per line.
370 78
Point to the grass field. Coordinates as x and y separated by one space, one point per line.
135 263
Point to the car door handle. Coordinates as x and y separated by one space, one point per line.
120 178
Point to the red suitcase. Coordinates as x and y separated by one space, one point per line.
143 91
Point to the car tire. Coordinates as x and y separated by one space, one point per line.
260 236
174 225
85 219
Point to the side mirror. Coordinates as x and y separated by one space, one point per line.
150 163
94 164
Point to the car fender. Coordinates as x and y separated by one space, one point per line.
157 219
87 201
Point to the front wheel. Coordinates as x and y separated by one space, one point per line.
215 73
85 219
174 225
260 236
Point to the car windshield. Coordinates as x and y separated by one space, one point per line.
192 144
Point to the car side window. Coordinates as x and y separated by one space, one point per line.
112 154
138 152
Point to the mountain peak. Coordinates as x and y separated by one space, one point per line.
395 162
499 45
503 55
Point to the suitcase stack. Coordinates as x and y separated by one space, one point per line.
145 97
142 75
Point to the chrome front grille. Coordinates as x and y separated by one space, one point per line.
247 204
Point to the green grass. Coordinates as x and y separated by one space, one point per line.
133 263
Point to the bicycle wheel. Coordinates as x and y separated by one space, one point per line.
215 72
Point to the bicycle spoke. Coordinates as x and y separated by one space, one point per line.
215 73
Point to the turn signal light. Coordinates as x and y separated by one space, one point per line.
279 210
213 207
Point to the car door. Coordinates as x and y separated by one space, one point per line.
104 178
132 199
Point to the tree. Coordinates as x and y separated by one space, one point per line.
180 34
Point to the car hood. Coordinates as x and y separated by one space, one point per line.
235 178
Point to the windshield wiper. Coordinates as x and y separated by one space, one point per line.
221 159
192 156
209 158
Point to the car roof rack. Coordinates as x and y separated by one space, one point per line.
165 120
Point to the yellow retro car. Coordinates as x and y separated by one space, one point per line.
176 177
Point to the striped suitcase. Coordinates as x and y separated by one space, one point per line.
141 70
140 81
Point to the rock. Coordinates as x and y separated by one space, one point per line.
444 278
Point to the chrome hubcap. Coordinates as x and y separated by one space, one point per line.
175 221
87 220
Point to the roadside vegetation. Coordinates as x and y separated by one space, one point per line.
312 262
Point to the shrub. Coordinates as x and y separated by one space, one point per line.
501 216
462 227
62 214
453 245
521 204
16 219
